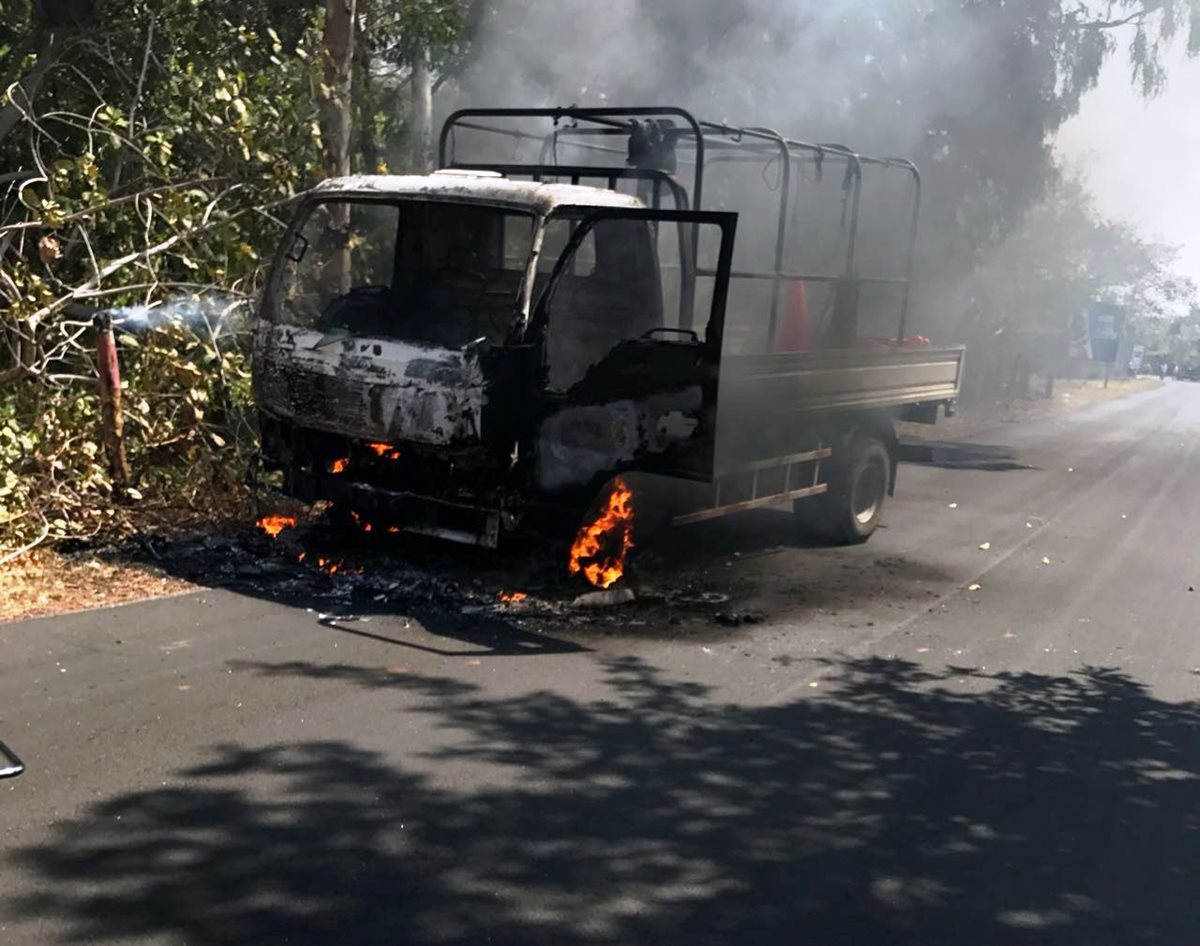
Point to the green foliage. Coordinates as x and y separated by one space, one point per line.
163 145
1063 255
1176 340
396 30
155 157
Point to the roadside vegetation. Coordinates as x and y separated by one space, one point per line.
149 153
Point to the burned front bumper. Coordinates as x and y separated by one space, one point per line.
459 496
424 515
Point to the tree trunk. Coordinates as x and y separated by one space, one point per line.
336 105
338 43
27 88
422 113
364 99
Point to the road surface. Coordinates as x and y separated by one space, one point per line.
892 755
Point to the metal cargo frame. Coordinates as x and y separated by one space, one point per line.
841 377
712 142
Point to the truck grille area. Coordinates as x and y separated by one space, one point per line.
319 465
319 399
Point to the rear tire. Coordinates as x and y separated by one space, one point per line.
850 512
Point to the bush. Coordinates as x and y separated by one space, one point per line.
188 425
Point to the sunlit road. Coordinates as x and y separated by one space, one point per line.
890 757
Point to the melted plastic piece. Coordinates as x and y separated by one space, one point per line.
10 765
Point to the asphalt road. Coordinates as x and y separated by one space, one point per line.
889 757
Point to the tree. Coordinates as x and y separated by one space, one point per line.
150 161
336 109
410 46
53 21
1020 299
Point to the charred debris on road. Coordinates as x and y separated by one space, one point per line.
314 560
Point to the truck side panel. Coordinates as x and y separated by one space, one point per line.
790 388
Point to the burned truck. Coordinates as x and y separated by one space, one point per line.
587 311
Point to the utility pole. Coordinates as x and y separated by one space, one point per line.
422 113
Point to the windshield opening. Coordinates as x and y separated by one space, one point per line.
442 273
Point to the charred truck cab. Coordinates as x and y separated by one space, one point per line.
484 349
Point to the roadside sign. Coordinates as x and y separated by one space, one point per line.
1105 323
1136 358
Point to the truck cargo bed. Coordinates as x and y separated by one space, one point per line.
777 391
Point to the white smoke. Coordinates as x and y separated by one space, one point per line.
212 312
804 68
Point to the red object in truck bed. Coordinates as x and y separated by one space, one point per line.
890 344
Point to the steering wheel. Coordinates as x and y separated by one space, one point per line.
339 307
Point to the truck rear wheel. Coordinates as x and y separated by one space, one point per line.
849 513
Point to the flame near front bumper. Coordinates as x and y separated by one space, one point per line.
424 515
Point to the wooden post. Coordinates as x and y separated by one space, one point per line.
112 424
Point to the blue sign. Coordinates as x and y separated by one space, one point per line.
1105 324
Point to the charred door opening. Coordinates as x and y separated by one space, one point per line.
630 384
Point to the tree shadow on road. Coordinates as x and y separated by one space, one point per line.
892 809
962 455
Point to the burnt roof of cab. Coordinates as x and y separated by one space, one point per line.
477 187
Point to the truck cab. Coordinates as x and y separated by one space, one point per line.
436 350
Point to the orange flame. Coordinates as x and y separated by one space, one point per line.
273 525
360 522
339 465
330 566
512 597
385 450
592 551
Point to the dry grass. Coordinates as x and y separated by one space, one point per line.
45 582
